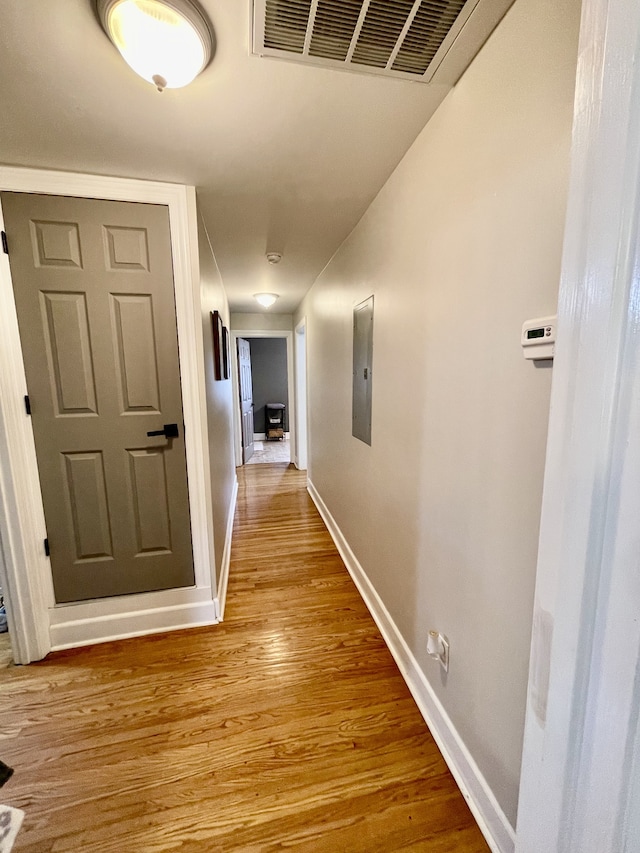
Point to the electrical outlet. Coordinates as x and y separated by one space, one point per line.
444 657
438 648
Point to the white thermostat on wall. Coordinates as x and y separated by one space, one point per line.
539 337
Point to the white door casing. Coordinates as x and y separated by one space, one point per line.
301 414
245 381
262 333
36 624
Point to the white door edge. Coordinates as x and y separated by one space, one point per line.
302 408
237 427
581 759
25 570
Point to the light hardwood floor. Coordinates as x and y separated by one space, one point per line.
286 727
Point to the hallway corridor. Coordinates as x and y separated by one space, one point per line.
288 726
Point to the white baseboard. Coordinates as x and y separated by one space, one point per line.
125 616
491 819
223 581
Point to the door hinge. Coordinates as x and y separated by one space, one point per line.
5 245
47 550
27 404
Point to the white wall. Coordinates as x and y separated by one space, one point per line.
219 398
262 322
461 245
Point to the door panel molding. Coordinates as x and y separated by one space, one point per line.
134 342
88 505
64 316
30 604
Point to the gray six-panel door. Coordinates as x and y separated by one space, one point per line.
93 285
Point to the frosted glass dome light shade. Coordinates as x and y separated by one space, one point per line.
167 42
265 299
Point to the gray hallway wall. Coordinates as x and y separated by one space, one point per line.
462 245
220 399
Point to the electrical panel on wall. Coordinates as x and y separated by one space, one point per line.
362 374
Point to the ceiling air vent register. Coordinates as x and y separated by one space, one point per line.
398 38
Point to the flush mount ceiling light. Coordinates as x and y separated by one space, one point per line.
167 42
274 257
265 299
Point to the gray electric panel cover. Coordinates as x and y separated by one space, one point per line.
362 376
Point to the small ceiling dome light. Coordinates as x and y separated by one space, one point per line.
167 42
265 299
274 257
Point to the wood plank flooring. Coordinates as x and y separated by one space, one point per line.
287 727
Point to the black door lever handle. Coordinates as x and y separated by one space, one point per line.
169 431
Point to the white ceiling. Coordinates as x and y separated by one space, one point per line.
285 157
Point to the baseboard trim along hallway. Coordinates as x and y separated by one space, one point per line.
285 726
223 580
495 827
131 616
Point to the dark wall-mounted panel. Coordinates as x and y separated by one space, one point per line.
362 364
